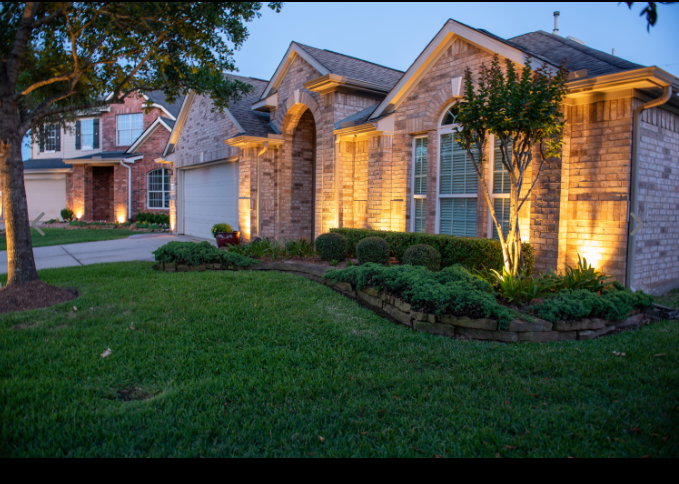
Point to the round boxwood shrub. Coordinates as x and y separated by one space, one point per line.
332 247
423 255
373 249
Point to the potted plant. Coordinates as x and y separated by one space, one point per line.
225 235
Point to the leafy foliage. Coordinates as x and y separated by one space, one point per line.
521 288
67 215
651 12
332 246
453 290
373 249
153 218
194 254
613 305
522 111
473 253
224 228
77 223
423 255
299 248
584 276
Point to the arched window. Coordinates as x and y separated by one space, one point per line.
158 188
457 181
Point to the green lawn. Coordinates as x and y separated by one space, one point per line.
269 364
63 236
670 299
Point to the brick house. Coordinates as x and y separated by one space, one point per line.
103 166
335 141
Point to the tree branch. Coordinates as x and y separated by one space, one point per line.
542 164
47 19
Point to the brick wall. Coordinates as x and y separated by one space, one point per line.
656 264
597 187
152 149
132 105
302 197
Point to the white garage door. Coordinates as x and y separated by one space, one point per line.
45 193
210 197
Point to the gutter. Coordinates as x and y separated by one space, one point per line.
634 189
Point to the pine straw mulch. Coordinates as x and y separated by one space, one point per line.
33 295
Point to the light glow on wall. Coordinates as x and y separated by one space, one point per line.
78 215
120 218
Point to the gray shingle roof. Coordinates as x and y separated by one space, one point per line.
46 164
159 98
168 121
253 122
359 118
344 65
579 56
107 155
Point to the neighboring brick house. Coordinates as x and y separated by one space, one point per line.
103 166
334 141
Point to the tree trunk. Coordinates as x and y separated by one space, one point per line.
20 261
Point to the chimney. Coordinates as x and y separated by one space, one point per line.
556 23
613 52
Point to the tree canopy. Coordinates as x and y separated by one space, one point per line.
64 57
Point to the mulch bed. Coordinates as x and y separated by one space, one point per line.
33 295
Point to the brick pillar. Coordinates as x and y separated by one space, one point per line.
245 202
379 182
120 193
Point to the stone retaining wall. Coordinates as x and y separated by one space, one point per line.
400 311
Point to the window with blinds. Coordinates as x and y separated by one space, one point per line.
458 175
420 215
501 182
501 206
421 145
458 217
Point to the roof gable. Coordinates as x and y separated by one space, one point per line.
452 31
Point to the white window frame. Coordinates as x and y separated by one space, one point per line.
491 185
413 210
118 130
149 191
54 131
82 145
442 130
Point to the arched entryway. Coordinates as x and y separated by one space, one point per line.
302 203
297 175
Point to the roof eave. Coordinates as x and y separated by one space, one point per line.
333 82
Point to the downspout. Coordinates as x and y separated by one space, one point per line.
259 179
634 179
129 190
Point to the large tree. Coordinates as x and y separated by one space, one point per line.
58 59
523 111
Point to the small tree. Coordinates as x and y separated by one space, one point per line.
61 59
522 111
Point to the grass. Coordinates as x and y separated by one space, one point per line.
670 299
63 236
269 364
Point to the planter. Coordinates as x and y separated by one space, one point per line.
228 238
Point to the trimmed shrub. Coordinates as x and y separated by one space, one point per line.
423 255
473 253
67 215
152 218
332 247
453 290
373 249
77 223
612 305
195 254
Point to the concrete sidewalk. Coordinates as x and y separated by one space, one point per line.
134 248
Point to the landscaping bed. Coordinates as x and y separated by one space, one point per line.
33 295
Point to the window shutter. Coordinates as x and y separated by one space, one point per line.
501 182
95 124
41 138
77 135
501 206
57 136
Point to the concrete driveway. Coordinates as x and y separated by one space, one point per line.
134 248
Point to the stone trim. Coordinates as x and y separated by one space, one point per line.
395 309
